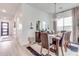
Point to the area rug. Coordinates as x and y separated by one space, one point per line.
33 51
73 48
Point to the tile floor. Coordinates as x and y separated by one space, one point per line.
70 52
12 48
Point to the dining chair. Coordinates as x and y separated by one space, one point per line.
61 41
67 40
44 42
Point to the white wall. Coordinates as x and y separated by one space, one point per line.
30 14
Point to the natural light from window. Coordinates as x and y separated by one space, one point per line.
64 24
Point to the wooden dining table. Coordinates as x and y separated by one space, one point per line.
57 39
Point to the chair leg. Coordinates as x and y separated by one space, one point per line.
62 51
48 51
65 46
41 50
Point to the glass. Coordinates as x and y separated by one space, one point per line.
64 24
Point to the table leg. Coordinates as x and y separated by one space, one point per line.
57 47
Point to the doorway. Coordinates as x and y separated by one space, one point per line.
4 28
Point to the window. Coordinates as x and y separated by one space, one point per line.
64 24
68 23
64 21
60 24
4 28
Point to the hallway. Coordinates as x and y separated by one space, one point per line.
9 47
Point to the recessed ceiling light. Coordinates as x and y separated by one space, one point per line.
4 10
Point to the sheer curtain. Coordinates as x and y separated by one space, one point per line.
75 17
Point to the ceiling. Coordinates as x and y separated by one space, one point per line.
8 10
11 8
50 7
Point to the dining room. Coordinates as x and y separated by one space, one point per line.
50 29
